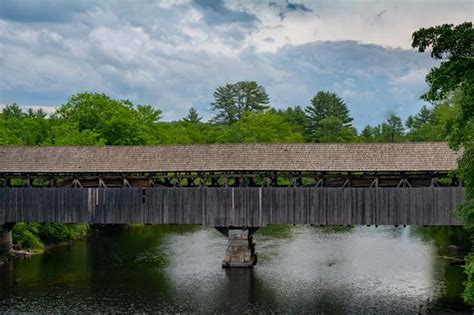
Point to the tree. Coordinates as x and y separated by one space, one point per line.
424 117
148 114
428 124
118 122
29 128
39 113
232 101
12 110
453 82
265 127
453 44
370 134
193 117
392 129
7 137
295 116
65 134
328 119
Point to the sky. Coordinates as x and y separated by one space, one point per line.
173 54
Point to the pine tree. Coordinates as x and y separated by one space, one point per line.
392 129
327 110
232 101
193 117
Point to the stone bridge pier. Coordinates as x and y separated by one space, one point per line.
5 240
240 250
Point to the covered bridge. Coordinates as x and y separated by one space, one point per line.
232 184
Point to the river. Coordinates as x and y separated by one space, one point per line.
300 269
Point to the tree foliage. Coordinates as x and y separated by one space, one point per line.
260 128
295 116
453 45
392 130
232 101
453 82
193 116
328 119
116 122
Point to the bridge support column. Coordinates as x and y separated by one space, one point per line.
240 250
5 240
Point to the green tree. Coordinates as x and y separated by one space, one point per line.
65 134
370 134
7 137
185 133
260 128
117 122
12 110
328 119
39 113
295 116
147 114
193 117
392 129
332 130
453 45
232 101
28 128
424 117
453 82
428 124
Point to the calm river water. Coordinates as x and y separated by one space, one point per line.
300 269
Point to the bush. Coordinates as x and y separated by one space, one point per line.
56 232
468 294
26 236
34 236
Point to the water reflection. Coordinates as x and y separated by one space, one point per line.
300 269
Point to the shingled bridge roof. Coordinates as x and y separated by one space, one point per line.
432 156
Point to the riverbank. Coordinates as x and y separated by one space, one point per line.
34 238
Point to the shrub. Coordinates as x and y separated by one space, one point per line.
25 236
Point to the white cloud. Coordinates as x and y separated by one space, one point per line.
386 23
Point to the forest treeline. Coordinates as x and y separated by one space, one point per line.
242 114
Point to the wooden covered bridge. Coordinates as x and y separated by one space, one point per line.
231 185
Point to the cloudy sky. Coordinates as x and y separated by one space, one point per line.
174 53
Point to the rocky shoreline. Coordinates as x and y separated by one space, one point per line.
23 254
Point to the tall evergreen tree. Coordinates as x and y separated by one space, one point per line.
328 118
424 117
12 110
232 101
392 129
193 117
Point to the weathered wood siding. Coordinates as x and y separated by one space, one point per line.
245 206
